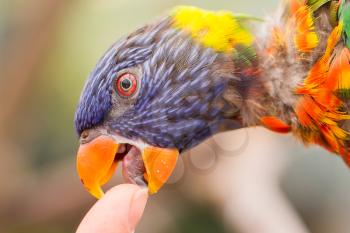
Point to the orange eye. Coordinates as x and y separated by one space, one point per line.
126 85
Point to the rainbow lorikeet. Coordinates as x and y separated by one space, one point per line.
170 85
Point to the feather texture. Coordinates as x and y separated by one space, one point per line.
340 73
316 4
344 17
305 37
205 72
203 26
319 109
275 124
311 48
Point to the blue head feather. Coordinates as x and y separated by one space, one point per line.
180 102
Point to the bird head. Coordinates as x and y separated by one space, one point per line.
159 91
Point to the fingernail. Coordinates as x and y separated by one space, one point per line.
137 206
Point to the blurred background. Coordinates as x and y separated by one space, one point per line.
245 181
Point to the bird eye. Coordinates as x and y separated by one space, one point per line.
126 85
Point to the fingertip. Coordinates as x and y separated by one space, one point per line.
118 211
116 190
138 204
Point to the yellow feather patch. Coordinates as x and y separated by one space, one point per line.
217 30
305 38
340 70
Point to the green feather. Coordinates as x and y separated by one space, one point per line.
245 17
344 17
342 3
333 13
316 4
345 93
244 55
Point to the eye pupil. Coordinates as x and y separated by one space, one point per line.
126 84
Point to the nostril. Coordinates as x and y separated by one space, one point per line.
84 134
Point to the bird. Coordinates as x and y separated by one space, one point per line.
193 73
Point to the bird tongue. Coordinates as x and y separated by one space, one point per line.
133 167
151 168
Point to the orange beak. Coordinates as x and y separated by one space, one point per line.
96 164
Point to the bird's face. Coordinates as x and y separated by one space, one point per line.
153 95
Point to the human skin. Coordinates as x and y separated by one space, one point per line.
118 211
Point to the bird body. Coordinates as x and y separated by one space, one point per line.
174 83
